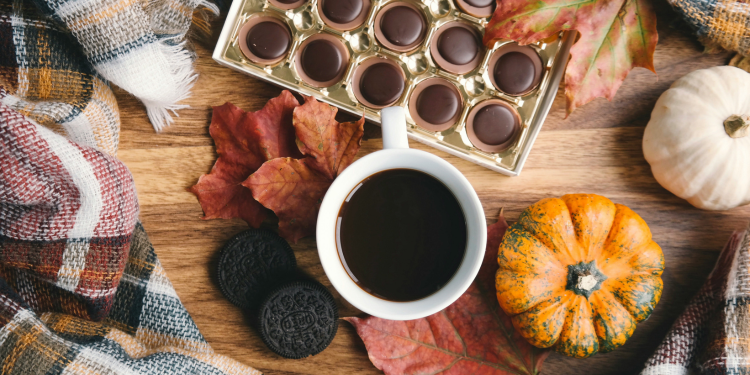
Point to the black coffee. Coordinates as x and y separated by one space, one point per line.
401 235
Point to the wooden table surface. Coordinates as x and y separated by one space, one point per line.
596 150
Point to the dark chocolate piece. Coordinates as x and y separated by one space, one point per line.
268 40
381 84
458 45
321 60
403 235
437 104
480 3
515 73
298 319
342 11
494 124
252 262
402 25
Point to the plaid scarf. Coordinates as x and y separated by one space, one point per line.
725 23
50 81
56 57
81 289
711 335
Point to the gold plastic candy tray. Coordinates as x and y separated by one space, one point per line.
418 65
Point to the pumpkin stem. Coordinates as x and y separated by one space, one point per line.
587 282
584 278
737 126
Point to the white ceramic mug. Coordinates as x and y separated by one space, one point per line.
396 154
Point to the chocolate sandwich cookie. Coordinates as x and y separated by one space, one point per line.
298 319
251 263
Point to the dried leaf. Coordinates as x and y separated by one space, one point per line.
471 336
331 145
294 189
261 163
615 37
244 141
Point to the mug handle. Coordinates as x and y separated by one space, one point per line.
393 124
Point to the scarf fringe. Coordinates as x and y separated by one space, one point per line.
180 63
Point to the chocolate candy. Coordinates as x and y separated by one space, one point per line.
514 73
268 40
322 61
458 45
265 40
516 70
435 104
382 84
298 319
494 124
477 8
342 11
438 104
287 4
480 3
402 25
251 263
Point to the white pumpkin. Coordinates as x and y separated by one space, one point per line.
697 140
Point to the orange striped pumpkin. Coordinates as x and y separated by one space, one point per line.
578 273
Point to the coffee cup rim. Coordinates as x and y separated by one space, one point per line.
401 158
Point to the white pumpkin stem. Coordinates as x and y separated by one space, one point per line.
737 126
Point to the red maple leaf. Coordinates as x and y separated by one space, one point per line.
283 157
615 37
294 188
471 336
244 141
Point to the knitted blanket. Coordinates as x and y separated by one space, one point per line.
711 335
81 289
725 23
57 57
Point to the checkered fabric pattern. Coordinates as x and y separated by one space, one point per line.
725 23
711 335
50 81
63 52
81 288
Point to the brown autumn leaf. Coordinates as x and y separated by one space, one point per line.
244 141
471 336
294 189
615 37
330 145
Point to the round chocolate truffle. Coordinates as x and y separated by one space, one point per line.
290 1
381 84
321 60
515 73
342 11
480 3
494 124
402 25
437 104
458 45
268 40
